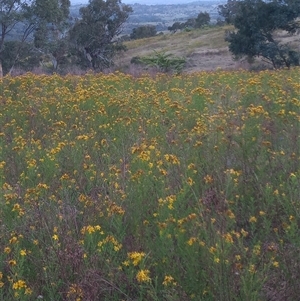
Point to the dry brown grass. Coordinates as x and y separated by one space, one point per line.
204 49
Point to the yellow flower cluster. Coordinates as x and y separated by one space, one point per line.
136 257
143 276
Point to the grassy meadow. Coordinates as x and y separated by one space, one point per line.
165 188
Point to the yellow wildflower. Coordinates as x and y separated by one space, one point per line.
23 252
276 264
252 268
12 262
190 181
244 233
169 280
143 276
136 257
252 219
228 238
19 284
230 214
208 179
191 241
216 259
7 250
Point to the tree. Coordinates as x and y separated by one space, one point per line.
28 57
50 36
94 36
202 19
144 31
190 23
229 10
176 26
11 13
255 23
34 19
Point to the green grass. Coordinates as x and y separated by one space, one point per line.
165 188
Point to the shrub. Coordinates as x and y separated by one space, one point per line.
144 31
136 60
164 62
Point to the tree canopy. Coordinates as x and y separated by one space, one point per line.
29 27
229 10
255 23
94 35
202 19
144 31
34 18
176 26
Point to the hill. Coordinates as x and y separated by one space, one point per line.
203 49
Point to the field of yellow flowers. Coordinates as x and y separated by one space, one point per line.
158 188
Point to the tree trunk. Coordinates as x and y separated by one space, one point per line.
1 71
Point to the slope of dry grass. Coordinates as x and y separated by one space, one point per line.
204 49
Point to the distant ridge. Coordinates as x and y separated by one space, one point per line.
147 2
157 2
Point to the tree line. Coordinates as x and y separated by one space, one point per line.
202 19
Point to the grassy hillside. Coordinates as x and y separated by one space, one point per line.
204 49
153 188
